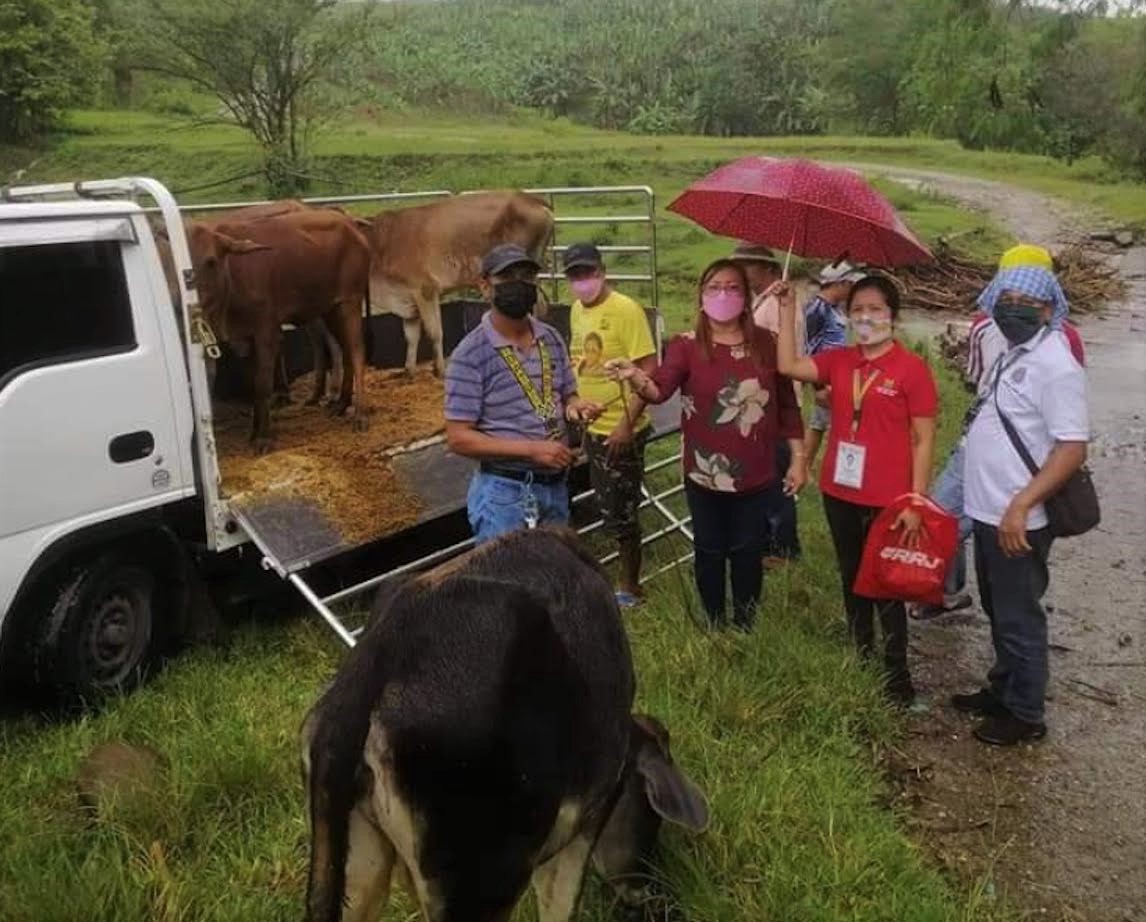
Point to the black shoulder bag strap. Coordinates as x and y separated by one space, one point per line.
1073 509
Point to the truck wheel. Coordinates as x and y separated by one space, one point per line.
98 637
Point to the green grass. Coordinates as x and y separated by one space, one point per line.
782 729
424 151
535 154
388 150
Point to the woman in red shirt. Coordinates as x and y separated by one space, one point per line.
735 405
880 445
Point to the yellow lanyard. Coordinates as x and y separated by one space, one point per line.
544 403
858 394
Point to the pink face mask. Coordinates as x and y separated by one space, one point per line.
587 289
723 306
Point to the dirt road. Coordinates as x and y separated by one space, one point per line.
1059 828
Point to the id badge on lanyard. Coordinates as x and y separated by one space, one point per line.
851 456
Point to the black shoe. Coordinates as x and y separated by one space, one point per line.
981 702
1007 730
900 692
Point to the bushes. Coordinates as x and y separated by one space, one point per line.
50 58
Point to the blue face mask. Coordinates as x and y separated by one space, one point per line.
1018 322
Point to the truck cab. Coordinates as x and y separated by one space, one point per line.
97 435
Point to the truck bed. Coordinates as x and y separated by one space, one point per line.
327 489
368 499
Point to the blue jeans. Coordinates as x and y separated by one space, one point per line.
496 505
948 493
1011 589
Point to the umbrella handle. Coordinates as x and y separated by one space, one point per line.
788 255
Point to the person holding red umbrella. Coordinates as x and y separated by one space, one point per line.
880 445
735 406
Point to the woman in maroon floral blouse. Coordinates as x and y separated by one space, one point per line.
735 405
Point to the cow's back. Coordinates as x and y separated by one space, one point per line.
443 242
523 637
313 260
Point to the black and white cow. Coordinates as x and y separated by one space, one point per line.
480 736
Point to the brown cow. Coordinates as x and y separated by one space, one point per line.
326 351
296 267
423 252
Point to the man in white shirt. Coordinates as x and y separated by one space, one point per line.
986 345
1040 389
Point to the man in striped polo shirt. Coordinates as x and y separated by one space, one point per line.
509 391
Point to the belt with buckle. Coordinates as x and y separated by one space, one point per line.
546 478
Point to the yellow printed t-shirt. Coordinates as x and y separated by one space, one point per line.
617 328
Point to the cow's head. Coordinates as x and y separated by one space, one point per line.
653 789
210 251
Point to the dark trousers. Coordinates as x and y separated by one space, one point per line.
1010 589
729 531
849 524
783 537
617 483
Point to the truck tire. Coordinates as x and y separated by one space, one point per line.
100 633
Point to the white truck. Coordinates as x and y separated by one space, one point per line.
113 522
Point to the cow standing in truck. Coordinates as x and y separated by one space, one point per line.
254 276
423 252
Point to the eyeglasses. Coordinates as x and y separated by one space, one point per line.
713 288
872 311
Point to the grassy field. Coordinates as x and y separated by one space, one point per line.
391 150
782 728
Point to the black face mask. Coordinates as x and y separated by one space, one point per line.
1017 322
515 299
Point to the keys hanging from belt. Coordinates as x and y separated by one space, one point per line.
530 508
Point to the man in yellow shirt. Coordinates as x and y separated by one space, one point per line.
607 325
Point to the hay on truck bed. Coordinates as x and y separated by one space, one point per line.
321 458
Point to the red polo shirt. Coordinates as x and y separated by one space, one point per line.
904 388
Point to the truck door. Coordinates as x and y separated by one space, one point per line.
88 427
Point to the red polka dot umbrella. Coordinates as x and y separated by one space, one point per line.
804 207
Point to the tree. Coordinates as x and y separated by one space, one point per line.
267 61
49 58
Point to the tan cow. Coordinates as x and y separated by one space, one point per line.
421 253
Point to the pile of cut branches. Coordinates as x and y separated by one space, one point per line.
953 282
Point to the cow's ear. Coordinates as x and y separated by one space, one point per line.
671 793
239 244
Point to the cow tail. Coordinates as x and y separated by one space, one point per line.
367 326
